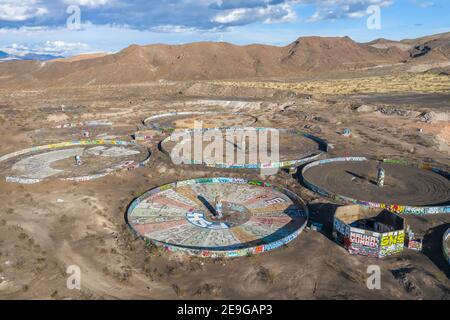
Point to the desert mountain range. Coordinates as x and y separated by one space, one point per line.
307 56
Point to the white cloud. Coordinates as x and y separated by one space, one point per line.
170 28
270 14
88 3
182 15
60 47
424 4
13 10
427 4
57 48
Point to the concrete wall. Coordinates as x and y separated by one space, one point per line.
221 253
446 245
393 207
323 147
365 242
125 165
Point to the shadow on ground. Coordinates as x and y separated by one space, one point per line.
432 247
323 213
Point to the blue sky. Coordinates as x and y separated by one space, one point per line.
50 26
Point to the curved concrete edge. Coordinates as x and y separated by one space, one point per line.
89 123
323 148
445 247
124 165
219 253
157 127
397 208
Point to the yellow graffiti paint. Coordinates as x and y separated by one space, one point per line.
391 239
166 187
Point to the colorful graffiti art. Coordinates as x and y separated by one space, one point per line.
408 189
171 121
392 243
414 244
182 217
72 161
91 123
363 242
88 130
244 148
369 231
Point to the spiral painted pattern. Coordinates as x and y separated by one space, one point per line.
181 216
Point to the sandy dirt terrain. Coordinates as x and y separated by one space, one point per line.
47 227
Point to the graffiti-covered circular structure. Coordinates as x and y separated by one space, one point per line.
183 216
72 161
243 148
368 231
185 120
93 129
446 245
407 188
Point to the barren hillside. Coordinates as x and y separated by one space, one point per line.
307 56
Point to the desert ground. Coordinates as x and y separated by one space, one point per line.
46 227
